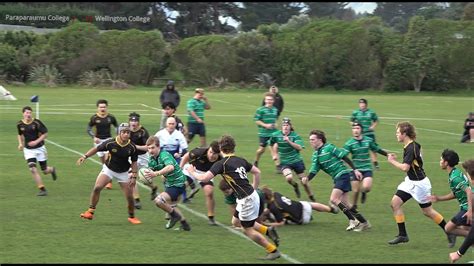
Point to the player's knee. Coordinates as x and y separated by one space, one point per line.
160 200
97 189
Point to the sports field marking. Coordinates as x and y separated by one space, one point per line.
427 129
182 206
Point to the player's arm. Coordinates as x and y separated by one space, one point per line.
42 137
392 158
374 124
256 176
206 177
196 117
207 106
86 155
470 199
184 160
349 162
133 175
21 142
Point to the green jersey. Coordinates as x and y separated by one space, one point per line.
458 183
359 149
365 118
288 154
328 158
267 116
175 178
198 107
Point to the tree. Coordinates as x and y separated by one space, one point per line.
254 14
418 50
199 18
398 13
326 9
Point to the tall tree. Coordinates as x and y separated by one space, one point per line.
418 52
198 18
326 9
397 14
254 14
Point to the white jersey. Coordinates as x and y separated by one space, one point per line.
172 143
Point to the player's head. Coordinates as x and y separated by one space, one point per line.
356 129
268 194
225 187
273 89
469 167
269 99
227 144
170 124
134 120
286 126
199 93
317 138
102 105
363 104
404 130
169 108
153 145
213 151
170 85
471 115
124 131
27 113
448 158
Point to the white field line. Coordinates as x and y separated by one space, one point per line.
432 130
182 206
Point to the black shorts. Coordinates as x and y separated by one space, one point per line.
175 192
196 129
263 141
298 167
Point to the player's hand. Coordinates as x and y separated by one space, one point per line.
468 215
432 198
177 155
392 157
359 176
20 147
286 138
32 143
80 160
132 181
150 174
96 140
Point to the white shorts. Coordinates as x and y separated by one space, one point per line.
101 153
419 190
40 154
143 160
307 211
120 177
248 207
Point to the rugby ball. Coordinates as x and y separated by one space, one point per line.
142 178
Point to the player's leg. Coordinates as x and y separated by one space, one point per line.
396 204
210 202
102 179
288 174
128 193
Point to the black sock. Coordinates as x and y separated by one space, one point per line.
401 229
211 217
190 182
43 188
442 224
137 199
131 215
357 215
311 197
346 211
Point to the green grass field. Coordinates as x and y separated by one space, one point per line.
49 229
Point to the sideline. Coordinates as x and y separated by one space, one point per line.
182 206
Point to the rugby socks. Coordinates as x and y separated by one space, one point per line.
263 230
438 219
191 183
42 188
400 219
311 197
91 209
357 215
270 248
346 211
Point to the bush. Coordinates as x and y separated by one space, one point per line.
46 75
8 61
